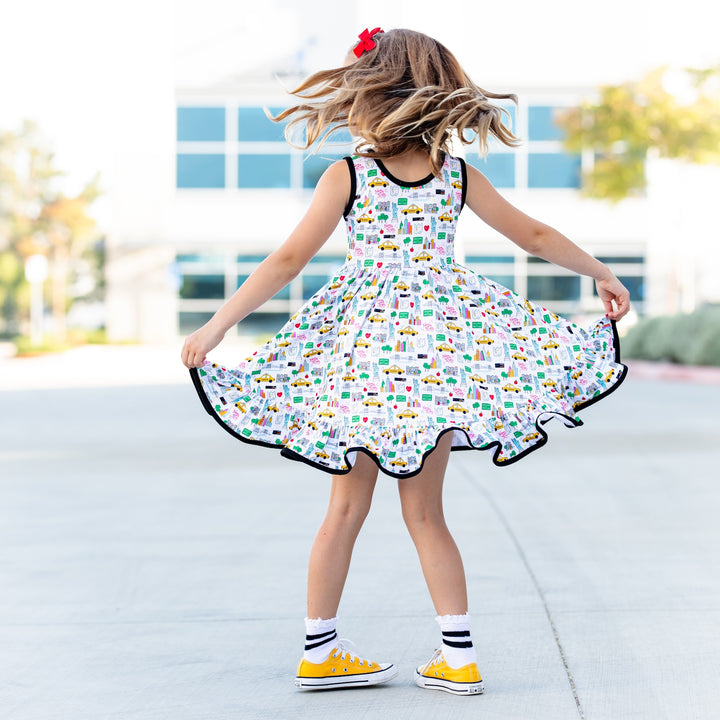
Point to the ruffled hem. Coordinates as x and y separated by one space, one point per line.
474 436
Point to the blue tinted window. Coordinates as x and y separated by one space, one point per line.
190 321
312 283
485 259
255 259
541 123
264 171
507 281
255 125
314 166
200 171
499 168
546 288
634 259
201 124
203 286
199 258
553 170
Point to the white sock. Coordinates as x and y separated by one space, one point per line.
457 646
320 639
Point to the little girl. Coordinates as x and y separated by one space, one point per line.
405 355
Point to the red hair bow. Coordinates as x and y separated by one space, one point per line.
366 41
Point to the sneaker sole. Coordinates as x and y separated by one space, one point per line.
456 688
330 683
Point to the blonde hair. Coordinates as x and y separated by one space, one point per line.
409 92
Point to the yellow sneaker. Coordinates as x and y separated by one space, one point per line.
343 669
436 674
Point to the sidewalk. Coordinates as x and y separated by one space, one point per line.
154 568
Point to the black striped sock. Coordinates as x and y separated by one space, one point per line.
457 638
318 647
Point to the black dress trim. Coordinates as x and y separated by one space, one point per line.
353 186
463 170
542 420
403 183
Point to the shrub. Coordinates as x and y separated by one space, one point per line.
692 339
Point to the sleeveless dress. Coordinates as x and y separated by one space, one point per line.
405 344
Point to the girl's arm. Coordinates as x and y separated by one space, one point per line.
278 268
543 241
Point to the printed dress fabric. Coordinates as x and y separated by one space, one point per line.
405 344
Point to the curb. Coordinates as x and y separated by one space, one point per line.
665 371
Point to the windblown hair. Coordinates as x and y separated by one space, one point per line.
409 92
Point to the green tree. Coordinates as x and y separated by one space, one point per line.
37 217
627 121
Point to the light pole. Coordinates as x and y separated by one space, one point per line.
36 270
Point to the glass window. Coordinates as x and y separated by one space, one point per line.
314 166
312 283
634 259
542 289
485 259
264 171
198 258
499 168
553 170
541 123
255 125
507 281
263 325
254 259
201 124
190 321
206 287
200 171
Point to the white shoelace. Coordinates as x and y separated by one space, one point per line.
436 659
343 649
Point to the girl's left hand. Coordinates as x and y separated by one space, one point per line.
200 343
610 290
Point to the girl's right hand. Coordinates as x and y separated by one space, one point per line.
201 342
610 290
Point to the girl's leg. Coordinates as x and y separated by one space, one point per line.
350 498
422 509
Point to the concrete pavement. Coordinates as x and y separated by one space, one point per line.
153 567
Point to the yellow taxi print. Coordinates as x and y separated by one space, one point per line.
301 382
387 245
394 369
372 402
445 217
378 182
414 209
458 408
265 378
432 380
407 414
422 257
364 218
511 388
407 331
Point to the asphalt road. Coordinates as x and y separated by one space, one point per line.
153 567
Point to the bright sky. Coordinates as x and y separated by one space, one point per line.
93 73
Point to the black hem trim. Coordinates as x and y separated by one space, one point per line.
403 183
463 169
541 420
353 186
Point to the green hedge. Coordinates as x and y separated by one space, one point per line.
692 339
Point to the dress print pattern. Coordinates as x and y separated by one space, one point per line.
405 344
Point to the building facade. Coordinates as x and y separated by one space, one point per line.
234 190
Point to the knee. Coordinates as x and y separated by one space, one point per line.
419 515
350 512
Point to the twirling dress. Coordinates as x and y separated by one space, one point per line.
405 344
